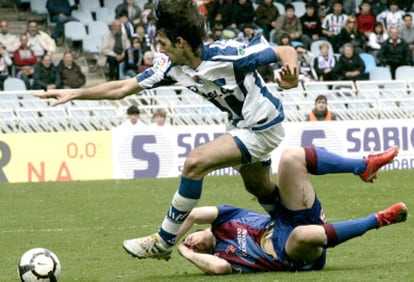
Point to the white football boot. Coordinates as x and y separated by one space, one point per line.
151 246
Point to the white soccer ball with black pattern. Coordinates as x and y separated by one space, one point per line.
39 264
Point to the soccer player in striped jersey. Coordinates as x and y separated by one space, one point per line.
224 73
296 236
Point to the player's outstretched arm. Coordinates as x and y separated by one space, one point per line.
115 89
111 90
289 72
208 263
201 215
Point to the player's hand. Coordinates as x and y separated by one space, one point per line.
288 79
60 96
155 74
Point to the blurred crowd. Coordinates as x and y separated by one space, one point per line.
330 37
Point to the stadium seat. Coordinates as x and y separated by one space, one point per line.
90 5
380 73
84 16
404 73
14 84
280 7
111 4
38 7
369 61
74 31
97 28
105 14
300 8
314 48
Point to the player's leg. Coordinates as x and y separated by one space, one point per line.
306 243
257 181
255 171
320 161
219 153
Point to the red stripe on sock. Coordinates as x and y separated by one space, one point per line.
331 236
311 159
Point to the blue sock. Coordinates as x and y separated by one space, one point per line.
320 161
184 200
340 232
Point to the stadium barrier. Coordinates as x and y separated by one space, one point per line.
160 151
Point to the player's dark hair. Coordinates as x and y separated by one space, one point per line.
181 18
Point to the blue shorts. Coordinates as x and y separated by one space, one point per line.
284 222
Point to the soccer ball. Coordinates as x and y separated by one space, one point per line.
39 264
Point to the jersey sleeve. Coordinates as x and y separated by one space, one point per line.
148 79
227 213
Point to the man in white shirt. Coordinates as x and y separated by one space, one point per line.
10 42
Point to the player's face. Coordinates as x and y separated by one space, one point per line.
164 45
200 241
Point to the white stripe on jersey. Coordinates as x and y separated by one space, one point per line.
334 23
228 78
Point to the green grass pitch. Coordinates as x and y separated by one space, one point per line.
84 223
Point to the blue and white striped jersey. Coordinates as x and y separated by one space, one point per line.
228 78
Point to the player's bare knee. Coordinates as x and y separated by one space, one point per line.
194 166
299 236
291 157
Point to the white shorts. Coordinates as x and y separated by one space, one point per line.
258 144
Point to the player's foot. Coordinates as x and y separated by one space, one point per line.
151 246
376 161
394 214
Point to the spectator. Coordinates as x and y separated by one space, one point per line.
10 41
378 7
334 22
266 16
40 42
45 75
143 37
394 52
24 59
218 30
324 63
148 59
321 112
133 120
311 23
133 58
132 9
305 60
285 40
365 19
376 38
247 34
159 117
220 10
70 72
392 17
243 13
127 27
60 12
407 32
289 23
406 5
350 66
350 34
151 28
349 6
114 44
5 64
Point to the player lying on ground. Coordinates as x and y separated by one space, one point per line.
225 73
296 236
